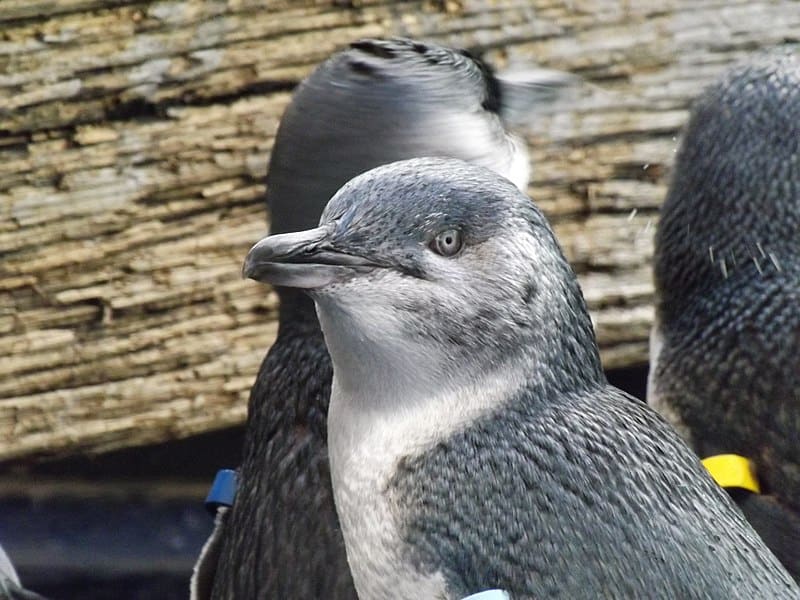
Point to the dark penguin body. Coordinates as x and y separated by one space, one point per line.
375 102
474 440
725 350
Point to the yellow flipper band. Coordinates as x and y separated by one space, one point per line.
732 470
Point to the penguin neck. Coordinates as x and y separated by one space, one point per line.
397 398
292 387
370 431
295 308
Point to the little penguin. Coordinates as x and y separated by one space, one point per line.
474 441
375 102
725 347
10 586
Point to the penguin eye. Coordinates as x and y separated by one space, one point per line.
447 243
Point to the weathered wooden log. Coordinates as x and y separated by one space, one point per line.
134 139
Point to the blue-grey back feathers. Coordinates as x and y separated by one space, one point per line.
724 357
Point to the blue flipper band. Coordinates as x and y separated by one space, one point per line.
223 490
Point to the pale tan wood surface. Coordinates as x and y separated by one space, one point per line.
134 139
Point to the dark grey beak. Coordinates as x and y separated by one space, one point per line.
305 259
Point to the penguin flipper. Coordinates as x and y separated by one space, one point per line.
202 582
10 586
9 590
777 525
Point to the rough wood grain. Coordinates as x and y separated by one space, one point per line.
134 139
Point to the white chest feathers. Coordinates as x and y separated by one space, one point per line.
376 552
366 443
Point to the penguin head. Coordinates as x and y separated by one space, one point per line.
435 264
381 101
734 199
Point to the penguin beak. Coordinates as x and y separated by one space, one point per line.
305 260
